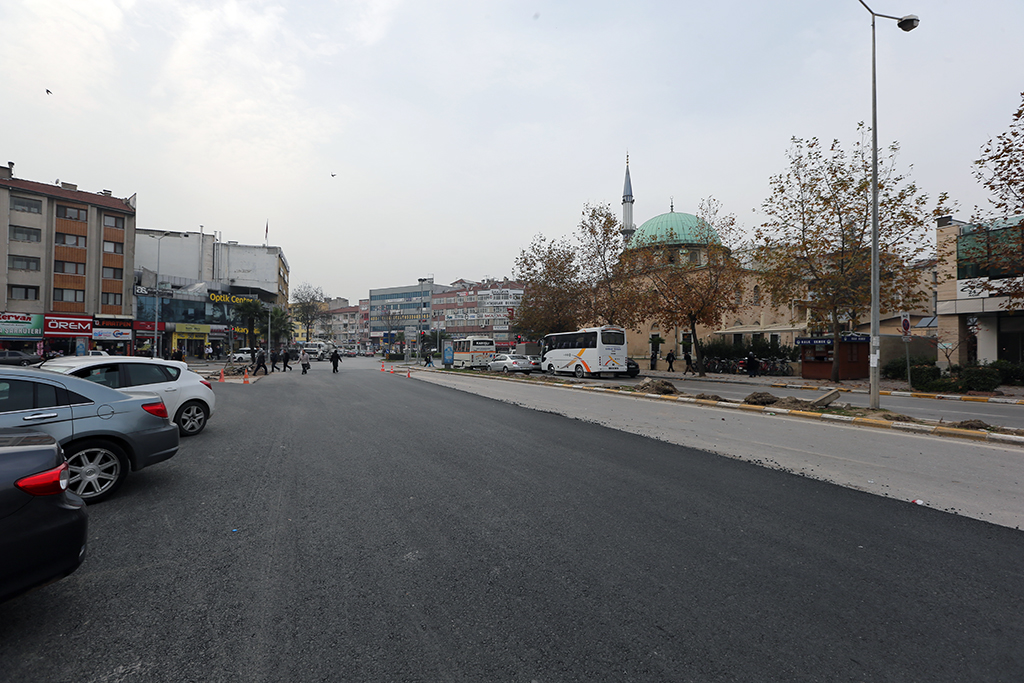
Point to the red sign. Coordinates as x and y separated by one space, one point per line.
66 326
511 313
147 325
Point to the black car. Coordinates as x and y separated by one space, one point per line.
19 358
632 369
42 524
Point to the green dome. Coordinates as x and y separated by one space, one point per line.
674 228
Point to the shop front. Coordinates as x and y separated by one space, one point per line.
22 332
66 335
145 336
191 339
113 335
817 355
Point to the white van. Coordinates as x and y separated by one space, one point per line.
318 350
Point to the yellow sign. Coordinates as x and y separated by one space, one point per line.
189 327
231 298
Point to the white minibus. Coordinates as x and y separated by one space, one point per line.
473 352
589 351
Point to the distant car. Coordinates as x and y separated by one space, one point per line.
189 398
243 355
19 358
535 362
104 432
98 352
42 524
632 368
506 363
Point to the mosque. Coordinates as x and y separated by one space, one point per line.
685 238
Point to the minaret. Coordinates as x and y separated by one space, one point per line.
628 228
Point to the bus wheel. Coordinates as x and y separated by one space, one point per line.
579 371
551 370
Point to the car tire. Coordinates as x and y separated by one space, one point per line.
579 372
24 363
98 468
191 418
504 370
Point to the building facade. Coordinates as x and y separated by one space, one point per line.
478 308
70 257
393 309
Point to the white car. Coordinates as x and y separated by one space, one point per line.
242 355
189 398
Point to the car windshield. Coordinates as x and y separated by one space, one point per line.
517 357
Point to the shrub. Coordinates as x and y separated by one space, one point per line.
1011 373
980 378
922 376
897 367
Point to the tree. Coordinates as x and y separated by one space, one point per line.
816 244
994 251
308 307
280 324
692 285
611 293
552 287
250 312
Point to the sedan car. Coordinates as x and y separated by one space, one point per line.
189 397
510 362
19 358
42 524
104 433
535 362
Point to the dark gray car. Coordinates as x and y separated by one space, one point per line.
104 432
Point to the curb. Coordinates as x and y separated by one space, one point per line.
934 430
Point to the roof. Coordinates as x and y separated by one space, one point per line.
45 189
675 228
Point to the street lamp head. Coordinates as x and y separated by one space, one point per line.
909 22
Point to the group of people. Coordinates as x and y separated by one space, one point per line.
259 360
670 358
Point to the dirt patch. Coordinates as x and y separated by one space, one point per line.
710 397
972 424
656 386
761 398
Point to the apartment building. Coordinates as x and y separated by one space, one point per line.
68 251
479 308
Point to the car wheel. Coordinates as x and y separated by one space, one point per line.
579 372
191 418
97 468
505 370
24 362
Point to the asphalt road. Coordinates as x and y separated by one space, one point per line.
367 527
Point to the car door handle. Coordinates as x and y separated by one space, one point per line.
170 389
39 416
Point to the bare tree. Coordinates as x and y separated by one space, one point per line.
308 307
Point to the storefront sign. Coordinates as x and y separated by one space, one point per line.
25 325
66 326
119 323
218 298
111 334
192 328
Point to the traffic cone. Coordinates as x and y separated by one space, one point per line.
245 376
382 366
392 369
408 374
221 375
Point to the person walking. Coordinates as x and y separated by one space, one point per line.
428 362
670 358
304 361
689 363
335 359
285 357
654 360
751 365
261 362
273 360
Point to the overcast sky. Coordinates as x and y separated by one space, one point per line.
455 131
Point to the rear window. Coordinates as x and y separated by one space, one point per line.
615 338
146 373
107 375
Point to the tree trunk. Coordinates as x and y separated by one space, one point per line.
835 347
698 354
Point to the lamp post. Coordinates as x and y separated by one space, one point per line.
907 23
156 321
419 318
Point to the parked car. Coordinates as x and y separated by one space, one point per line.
105 433
243 355
19 358
632 368
506 363
535 362
189 398
42 524
98 352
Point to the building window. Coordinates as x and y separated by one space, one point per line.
15 262
113 222
69 267
113 273
739 296
25 234
22 292
757 295
71 213
26 204
76 295
113 247
110 299
70 240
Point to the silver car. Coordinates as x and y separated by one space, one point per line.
105 433
510 362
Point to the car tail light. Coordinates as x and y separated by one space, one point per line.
46 483
207 383
158 408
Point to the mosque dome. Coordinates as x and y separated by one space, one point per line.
674 229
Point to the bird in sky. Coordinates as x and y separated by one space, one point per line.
48 92
333 174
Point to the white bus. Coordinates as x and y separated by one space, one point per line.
473 352
589 351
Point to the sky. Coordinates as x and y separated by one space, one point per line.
389 140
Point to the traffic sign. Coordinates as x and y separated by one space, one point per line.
905 322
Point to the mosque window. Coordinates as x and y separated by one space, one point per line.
757 295
739 296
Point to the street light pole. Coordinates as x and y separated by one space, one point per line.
907 23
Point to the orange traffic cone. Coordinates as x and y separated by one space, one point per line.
221 375
382 366
245 376
392 369
408 373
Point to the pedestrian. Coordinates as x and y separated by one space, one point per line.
252 357
670 358
335 359
261 362
654 360
751 365
689 363
273 360
429 360
304 361
285 357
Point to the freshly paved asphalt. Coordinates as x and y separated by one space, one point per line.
366 527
